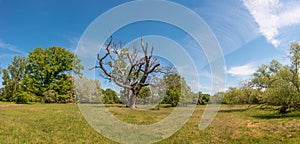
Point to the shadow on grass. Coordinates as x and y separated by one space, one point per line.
233 110
109 105
277 115
158 107
239 109
164 106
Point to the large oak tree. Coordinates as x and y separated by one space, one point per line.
45 75
131 69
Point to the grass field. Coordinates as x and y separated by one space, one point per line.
63 123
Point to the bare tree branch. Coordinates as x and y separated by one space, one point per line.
127 69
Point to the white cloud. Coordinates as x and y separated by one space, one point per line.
272 15
244 70
4 45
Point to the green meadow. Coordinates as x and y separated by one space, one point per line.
63 123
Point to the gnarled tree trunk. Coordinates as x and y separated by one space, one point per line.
129 69
130 98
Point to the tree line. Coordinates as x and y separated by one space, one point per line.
176 92
53 75
272 84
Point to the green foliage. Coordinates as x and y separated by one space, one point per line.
273 84
50 96
242 95
48 70
12 76
203 98
265 74
110 97
22 97
281 84
144 93
176 90
143 96
39 74
281 91
173 96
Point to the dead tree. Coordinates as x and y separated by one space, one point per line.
129 69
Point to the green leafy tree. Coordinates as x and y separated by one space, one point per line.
12 77
176 90
48 72
203 98
233 96
265 74
281 83
110 97
281 92
242 95
143 96
22 97
249 94
144 93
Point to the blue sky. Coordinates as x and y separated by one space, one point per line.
250 32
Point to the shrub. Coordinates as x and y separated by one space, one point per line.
62 98
22 97
50 96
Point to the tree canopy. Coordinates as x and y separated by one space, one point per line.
45 75
12 76
272 84
177 90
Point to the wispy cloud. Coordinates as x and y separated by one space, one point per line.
6 55
243 70
10 47
88 48
73 41
230 21
272 15
194 50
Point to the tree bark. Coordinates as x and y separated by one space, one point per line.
131 100
283 109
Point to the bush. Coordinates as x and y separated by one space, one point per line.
203 99
22 97
110 97
50 96
62 99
